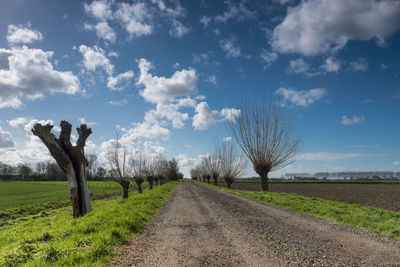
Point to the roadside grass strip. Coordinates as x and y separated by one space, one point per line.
58 239
383 222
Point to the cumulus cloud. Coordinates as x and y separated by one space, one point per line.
119 103
302 98
268 57
204 118
320 26
163 89
137 18
227 138
171 112
178 29
331 65
88 123
230 48
235 12
352 120
150 130
6 140
95 58
298 66
205 21
230 114
22 34
28 73
103 30
360 64
212 79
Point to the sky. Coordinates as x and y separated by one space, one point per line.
170 75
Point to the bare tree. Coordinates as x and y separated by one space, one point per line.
91 162
212 164
232 164
138 164
71 159
266 137
117 160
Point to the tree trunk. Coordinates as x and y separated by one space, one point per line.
140 187
125 188
215 180
71 160
150 180
208 179
228 182
264 181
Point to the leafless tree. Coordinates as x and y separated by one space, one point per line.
91 162
118 164
212 164
232 164
265 134
71 159
138 165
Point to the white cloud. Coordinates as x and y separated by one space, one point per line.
28 73
331 65
301 98
230 114
178 29
353 120
135 17
283 2
360 64
171 112
103 30
99 9
122 102
114 81
230 48
6 140
150 130
88 123
18 122
298 66
205 21
162 89
227 138
268 57
326 156
22 34
212 79
204 118
396 163
95 57
113 54
320 26
235 12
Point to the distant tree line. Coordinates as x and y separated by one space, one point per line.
348 175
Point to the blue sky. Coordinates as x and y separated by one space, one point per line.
170 74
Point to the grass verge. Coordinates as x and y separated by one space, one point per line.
58 239
383 222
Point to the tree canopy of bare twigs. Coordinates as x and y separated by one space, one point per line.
118 164
231 163
213 166
265 134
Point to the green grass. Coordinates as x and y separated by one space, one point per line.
19 194
58 239
383 222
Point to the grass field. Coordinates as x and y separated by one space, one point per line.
286 181
18 194
371 219
55 238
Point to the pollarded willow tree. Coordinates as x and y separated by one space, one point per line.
265 134
212 164
71 160
118 164
232 165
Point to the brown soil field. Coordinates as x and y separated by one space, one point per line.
384 196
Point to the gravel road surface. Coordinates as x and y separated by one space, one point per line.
203 226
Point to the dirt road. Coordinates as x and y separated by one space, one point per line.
202 226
